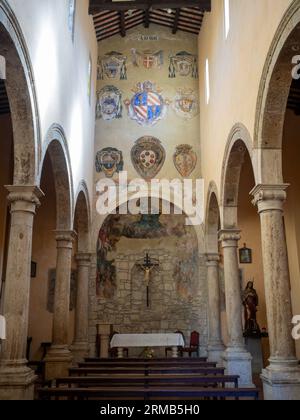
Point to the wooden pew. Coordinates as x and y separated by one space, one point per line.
146 371
148 381
151 364
163 360
141 393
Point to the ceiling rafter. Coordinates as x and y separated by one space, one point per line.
118 19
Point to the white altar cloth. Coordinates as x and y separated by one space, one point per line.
147 340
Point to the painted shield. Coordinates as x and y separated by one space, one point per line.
109 104
184 64
109 161
148 157
147 106
112 66
186 104
185 160
148 59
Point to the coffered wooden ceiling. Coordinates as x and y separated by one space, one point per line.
117 17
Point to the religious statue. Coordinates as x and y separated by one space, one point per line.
250 302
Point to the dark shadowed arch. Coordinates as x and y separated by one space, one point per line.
56 147
20 89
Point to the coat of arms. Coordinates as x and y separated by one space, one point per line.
184 64
109 103
148 157
147 106
109 161
147 59
186 103
185 159
112 65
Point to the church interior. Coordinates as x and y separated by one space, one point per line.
144 301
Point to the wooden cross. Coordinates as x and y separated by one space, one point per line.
148 265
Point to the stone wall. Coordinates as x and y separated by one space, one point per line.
169 310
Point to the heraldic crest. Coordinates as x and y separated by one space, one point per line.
184 64
147 106
109 104
112 65
109 161
185 159
148 157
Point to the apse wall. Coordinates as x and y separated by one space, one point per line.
147 123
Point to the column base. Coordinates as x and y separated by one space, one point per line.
281 380
79 350
58 362
215 353
237 361
16 381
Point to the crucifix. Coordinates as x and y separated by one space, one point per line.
148 265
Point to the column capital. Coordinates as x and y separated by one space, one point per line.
229 237
268 197
65 238
212 259
24 197
83 259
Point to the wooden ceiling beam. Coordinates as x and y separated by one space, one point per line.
147 18
97 6
122 23
176 20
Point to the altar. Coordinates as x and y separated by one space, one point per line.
121 341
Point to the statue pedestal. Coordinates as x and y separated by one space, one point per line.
254 347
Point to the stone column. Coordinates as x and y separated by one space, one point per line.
16 379
282 377
215 344
236 359
80 347
59 357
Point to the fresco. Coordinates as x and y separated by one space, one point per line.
149 227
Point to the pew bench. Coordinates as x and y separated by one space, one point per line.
138 364
148 381
141 393
146 371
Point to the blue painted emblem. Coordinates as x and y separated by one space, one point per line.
147 106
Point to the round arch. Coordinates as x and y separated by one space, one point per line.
82 217
273 96
56 146
22 97
239 144
212 220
